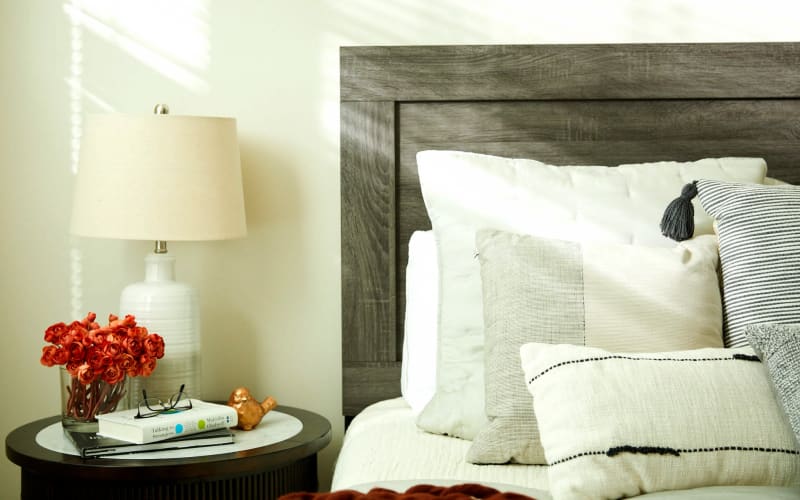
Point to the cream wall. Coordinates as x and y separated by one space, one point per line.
270 302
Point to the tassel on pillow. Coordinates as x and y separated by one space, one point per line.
677 223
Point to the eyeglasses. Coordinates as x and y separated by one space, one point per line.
150 407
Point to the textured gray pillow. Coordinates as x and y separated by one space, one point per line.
526 281
617 297
778 346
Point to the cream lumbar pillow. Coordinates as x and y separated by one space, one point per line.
621 424
464 192
618 297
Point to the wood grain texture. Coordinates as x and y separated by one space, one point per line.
366 383
561 104
601 121
525 72
368 237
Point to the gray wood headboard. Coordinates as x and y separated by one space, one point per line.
562 104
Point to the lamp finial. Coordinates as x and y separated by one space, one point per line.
161 109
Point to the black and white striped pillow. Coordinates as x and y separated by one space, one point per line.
759 246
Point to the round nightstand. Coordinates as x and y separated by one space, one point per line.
264 472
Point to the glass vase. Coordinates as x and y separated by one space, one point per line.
81 403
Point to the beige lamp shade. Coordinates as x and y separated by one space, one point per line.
159 177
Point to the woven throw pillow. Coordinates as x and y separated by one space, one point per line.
759 247
621 424
618 297
464 192
778 346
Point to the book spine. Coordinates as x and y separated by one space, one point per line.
183 427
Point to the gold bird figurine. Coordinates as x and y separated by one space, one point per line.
249 410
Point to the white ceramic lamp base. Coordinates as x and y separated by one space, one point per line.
170 309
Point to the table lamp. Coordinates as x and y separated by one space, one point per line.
161 178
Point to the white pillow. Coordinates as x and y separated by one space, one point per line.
418 368
464 192
618 297
621 424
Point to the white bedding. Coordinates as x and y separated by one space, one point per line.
383 443
384 448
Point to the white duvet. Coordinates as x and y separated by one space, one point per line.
383 443
384 448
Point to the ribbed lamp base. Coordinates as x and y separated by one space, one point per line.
170 309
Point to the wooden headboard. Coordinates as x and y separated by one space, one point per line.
561 104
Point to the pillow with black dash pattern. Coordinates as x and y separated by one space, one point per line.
622 424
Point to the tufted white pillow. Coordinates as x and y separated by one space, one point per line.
464 192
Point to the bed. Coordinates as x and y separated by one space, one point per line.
557 104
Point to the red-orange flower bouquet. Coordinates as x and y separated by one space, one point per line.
98 359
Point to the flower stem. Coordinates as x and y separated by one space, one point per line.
86 401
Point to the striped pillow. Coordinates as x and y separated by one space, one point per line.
622 424
759 247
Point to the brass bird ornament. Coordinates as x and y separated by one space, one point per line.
249 410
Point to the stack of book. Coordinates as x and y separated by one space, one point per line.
120 432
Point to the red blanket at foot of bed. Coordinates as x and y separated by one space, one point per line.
419 492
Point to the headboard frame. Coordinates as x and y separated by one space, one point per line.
562 104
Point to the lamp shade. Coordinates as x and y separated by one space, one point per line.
159 177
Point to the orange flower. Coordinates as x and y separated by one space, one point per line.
113 374
127 363
98 358
154 345
76 350
85 374
146 365
93 352
60 356
133 346
54 332
48 352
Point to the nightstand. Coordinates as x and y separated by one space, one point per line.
258 472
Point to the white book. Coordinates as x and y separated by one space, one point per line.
203 416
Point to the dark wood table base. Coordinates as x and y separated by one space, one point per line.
298 476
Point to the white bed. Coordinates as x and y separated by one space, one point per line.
384 448
543 318
384 444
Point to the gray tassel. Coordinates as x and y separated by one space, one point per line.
678 220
